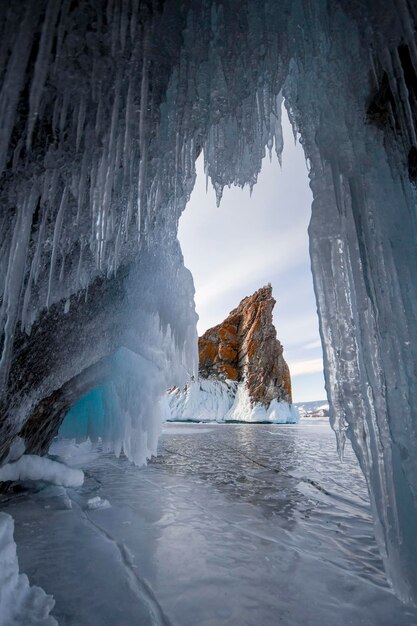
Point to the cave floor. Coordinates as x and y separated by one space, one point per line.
230 525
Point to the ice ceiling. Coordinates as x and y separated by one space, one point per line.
104 107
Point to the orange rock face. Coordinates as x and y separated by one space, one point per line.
245 347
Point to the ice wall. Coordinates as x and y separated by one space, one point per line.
89 260
105 106
360 139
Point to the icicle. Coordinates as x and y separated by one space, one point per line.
80 123
60 33
124 23
55 243
279 140
14 280
80 260
134 19
41 65
15 76
142 132
62 270
26 321
63 114
82 187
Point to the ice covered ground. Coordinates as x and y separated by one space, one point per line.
232 524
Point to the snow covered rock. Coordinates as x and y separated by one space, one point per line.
243 374
245 347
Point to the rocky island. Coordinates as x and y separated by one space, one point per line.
243 375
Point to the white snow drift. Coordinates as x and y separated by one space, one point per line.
33 467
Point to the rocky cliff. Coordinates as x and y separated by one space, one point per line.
245 348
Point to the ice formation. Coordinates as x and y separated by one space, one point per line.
277 412
73 454
32 467
206 400
19 602
125 413
104 108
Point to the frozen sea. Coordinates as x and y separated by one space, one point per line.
238 525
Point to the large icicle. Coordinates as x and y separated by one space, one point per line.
363 248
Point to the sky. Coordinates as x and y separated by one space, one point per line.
250 241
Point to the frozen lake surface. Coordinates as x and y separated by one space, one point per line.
236 525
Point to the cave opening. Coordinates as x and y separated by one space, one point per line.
253 238
105 110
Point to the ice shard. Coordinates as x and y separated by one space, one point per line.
105 106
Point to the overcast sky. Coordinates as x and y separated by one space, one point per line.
250 241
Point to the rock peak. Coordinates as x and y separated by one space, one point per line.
244 347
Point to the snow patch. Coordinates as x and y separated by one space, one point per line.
98 503
33 467
19 602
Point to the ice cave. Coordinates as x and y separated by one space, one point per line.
105 106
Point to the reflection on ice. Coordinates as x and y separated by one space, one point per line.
230 524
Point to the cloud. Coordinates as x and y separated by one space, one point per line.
311 366
249 265
313 345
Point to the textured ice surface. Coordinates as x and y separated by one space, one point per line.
207 400
20 604
103 114
276 531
